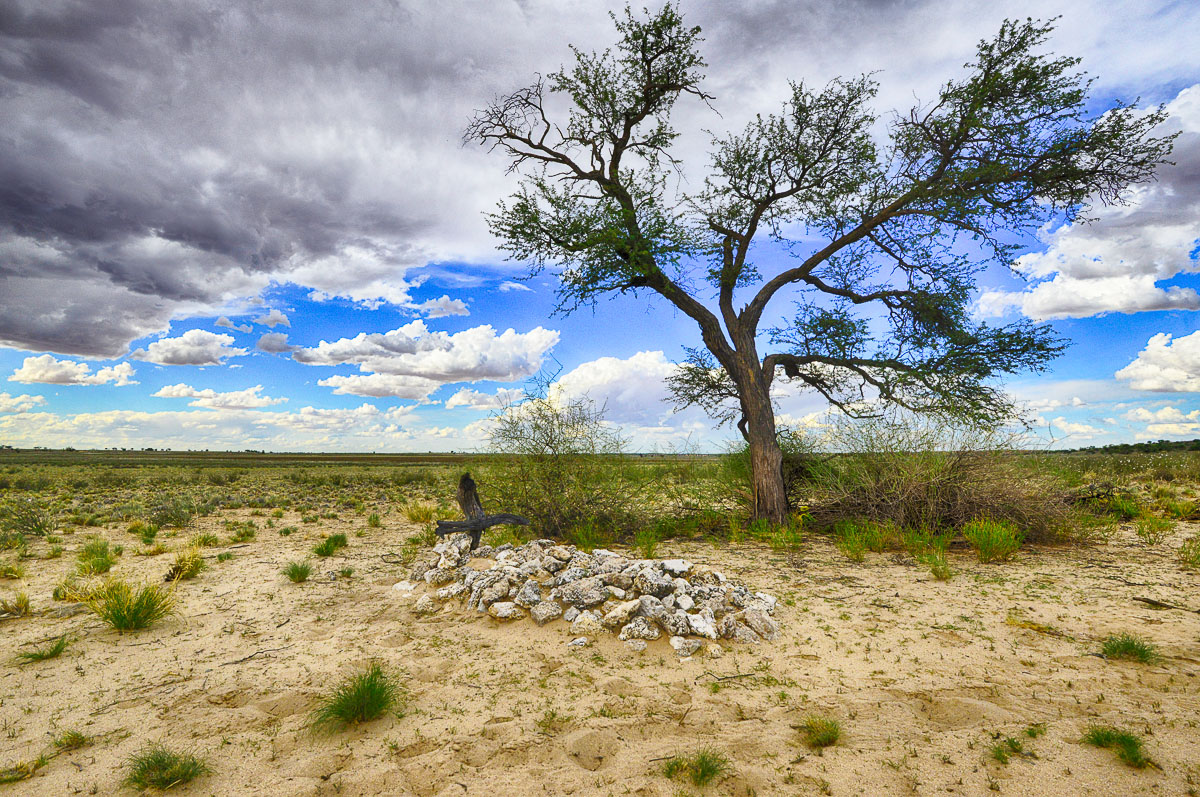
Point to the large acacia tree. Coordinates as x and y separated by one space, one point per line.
887 237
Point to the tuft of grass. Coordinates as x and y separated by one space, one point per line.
224 556
1127 746
849 540
157 767
206 541
71 591
1189 553
346 572
330 545
52 651
702 768
419 512
298 572
935 560
17 607
23 770
1128 647
373 521
241 532
1124 506
1153 530
1003 751
11 570
127 609
645 542
286 531
72 740
95 557
360 698
993 540
187 565
820 732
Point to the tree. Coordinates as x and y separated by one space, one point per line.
902 228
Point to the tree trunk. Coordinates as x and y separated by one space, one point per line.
766 460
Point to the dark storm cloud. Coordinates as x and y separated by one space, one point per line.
163 159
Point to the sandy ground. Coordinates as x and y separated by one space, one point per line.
922 676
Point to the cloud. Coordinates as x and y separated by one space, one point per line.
1166 365
19 403
1076 430
210 399
475 400
47 370
509 285
1162 415
439 308
1115 264
430 358
273 319
194 347
275 343
227 324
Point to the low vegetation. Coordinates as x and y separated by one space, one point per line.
1128 746
701 768
157 767
360 698
993 540
297 572
127 608
330 545
820 732
188 564
1128 647
51 651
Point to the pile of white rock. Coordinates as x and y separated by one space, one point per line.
637 599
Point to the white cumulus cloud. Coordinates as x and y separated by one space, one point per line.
194 347
227 324
273 319
47 370
1166 365
275 343
19 403
442 307
211 399
475 400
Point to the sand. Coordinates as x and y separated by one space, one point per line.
923 676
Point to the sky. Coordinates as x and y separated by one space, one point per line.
252 225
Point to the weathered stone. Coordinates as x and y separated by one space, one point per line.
703 575
545 611
568 575
703 624
552 565
616 592
529 594
439 576
762 600
669 601
677 567
675 623
651 582
621 614
650 606
484 552
570 614
618 580
583 593
734 629
685 602
561 552
578 642
506 610
586 623
450 591
425 605
715 651
497 591
758 622
640 628
685 647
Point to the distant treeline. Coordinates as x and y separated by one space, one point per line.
1142 448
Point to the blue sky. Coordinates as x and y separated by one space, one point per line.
206 244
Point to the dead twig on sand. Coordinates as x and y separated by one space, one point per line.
257 653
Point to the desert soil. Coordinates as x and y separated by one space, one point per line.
923 676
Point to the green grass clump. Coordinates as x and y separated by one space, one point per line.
419 512
1127 746
935 560
330 545
205 541
156 767
52 651
22 770
701 768
645 542
11 569
32 516
127 609
287 531
1128 647
224 556
587 536
1004 751
820 732
360 698
19 606
72 740
95 558
993 540
848 537
241 532
1124 506
1189 553
298 572
373 521
187 565
1153 530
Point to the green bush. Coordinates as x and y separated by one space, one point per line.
156 767
298 572
128 609
993 540
1189 553
1153 530
95 557
31 516
821 732
330 545
360 698
702 768
1128 647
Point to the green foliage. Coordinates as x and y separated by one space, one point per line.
1189 553
587 536
993 540
157 767
1128 746
360 698
18 606
701 768
206 541
241 531
1128 647
11 569
27 515
176 512
187 565
1153 530
298 572
801 467
419 512
645 541
95 557
1003 751
330 545
52 651
820 732
71 740
1124 506
128 609
848 537
224 556
373 521
22 770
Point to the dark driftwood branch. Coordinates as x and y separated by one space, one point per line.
472 509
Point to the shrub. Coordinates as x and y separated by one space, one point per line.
559 466
175 512
19 606
702 768
27 515
128 609
224 556
801 468
1154 530
72 740
587 536
1124 506
206 541
1128 647
188 564
821 732
330 545
52 651
993 540
915 473
241 532
1127 746
95 557
1189 553
360 698
935 560
156 767
11 570
298 572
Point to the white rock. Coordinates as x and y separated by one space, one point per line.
425 605
586 623
579 642
570 614
685 647
676 567
640 628
506 610
703 624
685 602
545 611
406 587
